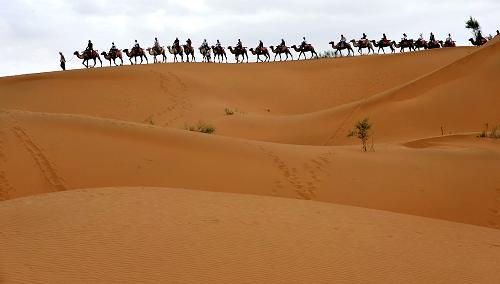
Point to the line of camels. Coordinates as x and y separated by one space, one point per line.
219 52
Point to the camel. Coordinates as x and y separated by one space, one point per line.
363 44
382 44
189 50
405 43
434 44
135 54
220 53
448 44
154 52
176 51
237 52
303 49
338 48
280 50
113 56
86 57
205 52
478 43
261 51
420 43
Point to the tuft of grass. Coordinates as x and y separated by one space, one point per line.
494 133
327 54
202 127
228 111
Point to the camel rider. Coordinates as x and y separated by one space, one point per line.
282 44
239 45
405 37
449 39
176 43
479 36
156 45
90 47
343 40
218 44
261 45
113 49
432 38
188 41
421 38
137 47
364 39
304 42
384 38
205 44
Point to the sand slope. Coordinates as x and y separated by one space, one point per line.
451 179
130 235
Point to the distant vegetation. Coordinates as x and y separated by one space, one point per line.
473 25
228 111
494 133
326 54
362 132
202 127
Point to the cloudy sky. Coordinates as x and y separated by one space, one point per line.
33 31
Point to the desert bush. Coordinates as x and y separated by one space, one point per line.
362 132
202 127
326 54
473 25
228 111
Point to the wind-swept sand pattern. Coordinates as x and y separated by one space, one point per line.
101 182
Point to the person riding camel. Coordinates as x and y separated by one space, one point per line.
343 41
261 45
405 37
364 39
239 45
156 45
421 37
384 38
176 43
304 43
479 36
113 49
218 44
432 38
137 47
449 39
205 44
90 47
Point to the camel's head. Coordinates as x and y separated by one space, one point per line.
332 43
103 53
271 47
125 50
471 39
76 53
294 46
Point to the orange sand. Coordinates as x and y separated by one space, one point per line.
186 207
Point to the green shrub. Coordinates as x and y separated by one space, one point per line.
361 131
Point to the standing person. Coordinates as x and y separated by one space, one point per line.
62 60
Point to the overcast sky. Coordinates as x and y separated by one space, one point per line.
33 31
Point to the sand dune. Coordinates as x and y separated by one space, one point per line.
147 235
64 137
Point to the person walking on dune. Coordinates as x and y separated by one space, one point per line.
62 60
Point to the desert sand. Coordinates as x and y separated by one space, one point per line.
101 182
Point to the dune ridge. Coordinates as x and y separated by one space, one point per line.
101 182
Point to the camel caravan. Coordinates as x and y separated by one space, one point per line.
217 52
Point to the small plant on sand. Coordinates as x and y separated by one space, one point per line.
202 127
362 132
473 25
228 111
494 133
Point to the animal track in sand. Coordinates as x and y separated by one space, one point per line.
305 186
5 186
180 102
43 163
